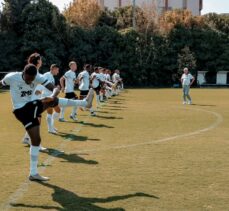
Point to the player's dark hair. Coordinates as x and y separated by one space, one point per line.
34 58
87 66
30 69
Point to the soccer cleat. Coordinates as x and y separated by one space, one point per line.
26 140
89 98
189 102
53 131
43 149
38 177
61 120
73 117
93 113
184 103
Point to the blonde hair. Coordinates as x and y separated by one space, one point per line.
71 63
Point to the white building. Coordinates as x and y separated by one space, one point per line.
195 6
219 78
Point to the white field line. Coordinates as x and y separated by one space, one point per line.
24 186
219 120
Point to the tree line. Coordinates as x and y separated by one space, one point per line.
152 54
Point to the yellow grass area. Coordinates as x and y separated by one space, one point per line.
143 151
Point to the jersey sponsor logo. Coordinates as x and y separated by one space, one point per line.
26 93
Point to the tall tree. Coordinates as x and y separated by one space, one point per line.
45 31
186 59
83 13
11 14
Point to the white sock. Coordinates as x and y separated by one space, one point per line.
55 115
49 121
101 97
72 103
62 110
34 152
74 111
97 101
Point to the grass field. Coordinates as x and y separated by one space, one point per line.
143 151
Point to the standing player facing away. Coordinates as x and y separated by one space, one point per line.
187 80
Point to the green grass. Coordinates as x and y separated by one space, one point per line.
108 165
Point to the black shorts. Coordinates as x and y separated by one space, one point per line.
71 95
29 113
98 88
84 92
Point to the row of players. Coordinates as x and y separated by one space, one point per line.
98 78
28 110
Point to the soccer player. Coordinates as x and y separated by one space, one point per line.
52 113
102 79
117 81
96 84
67 83
36 60
187 80
22 85
109 84
84 83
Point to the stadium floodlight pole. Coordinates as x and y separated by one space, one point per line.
134 14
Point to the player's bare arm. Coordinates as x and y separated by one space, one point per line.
62 82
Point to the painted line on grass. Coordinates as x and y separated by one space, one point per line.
219 120
23 188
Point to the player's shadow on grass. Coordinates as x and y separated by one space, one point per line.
96 125
195 104
114 109
115 102
113 106
108 117
93 124
71 158
71 137
105 112
70 201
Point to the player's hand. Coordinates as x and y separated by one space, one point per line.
38 92
47 99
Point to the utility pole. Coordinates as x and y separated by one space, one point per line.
134 14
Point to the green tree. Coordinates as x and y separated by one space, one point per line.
186 58
45 31
11 14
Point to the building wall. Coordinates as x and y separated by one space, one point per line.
192 5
